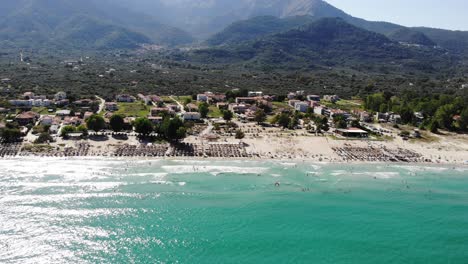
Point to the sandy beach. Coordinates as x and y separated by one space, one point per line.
262 145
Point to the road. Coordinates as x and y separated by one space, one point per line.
101 105
182 110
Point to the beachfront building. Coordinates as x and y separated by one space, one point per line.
191 116
365 116
352 132
27 118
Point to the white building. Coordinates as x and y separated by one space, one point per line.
301 107
313 98
191 116
202 98
125 98
255 94
319 110
47 120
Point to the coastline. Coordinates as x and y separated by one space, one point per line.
235 160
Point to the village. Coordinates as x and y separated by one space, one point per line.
237 124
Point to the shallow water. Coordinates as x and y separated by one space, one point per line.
115 211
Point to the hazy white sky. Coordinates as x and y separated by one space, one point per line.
448 14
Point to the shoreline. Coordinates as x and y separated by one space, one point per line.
217 159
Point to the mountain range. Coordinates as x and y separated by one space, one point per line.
323 43
83 24
203 18
126 24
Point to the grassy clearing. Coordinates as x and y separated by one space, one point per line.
215 112
137 109
41 110
167 99
346 105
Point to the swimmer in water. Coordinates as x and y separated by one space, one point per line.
277 184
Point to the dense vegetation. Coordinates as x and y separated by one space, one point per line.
439 110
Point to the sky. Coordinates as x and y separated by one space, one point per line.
446 14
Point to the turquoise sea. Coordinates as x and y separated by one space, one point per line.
117 211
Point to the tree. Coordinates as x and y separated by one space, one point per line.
83 129
44 138
96 123
10 135
227 115
434 126
340 121
181 133
203 108
67 130
444 116
463 123
173 129
284 120
143 126
239 134
406 115
260 116
117 123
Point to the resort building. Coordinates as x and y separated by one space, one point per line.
352 132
